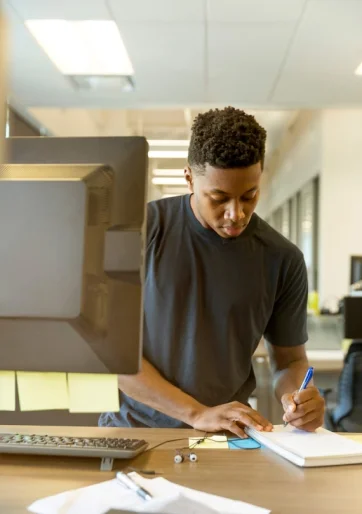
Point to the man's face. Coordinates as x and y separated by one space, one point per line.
225 199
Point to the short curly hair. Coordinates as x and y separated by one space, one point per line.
226 138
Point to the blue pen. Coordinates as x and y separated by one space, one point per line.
308 377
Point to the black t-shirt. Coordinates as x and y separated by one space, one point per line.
208 301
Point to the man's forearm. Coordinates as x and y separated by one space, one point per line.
150 388
290 378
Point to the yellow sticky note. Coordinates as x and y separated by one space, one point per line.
214 442
7 390
42 391
93 392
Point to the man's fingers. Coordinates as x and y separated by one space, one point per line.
299 422
288 403
308 422
305 395
258 418
311 426
234 428
251 417
300 411
247 420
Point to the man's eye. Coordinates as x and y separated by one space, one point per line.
218 200
248 198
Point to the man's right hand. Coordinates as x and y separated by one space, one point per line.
231 416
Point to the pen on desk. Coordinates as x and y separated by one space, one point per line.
308 377
131 484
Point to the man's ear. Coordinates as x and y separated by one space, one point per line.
189 178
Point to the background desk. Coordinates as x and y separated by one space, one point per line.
255 476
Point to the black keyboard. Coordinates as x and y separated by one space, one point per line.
102 447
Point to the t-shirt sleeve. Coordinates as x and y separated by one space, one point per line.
287 325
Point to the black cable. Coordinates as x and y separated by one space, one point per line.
194 444
202 439
205 438
191 447
152 472
164 442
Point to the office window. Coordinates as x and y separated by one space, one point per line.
285 220
272 220
277 220
293 214
308 229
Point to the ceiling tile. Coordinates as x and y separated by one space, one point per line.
62 9
254 11
317 90
166 64
244 67
248 41
165 11
324 55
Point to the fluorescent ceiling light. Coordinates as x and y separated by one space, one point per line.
103 83
167 154
83 47
168 173
168 142
359 70
169 181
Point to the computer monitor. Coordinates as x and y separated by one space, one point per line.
72 232
352 313
2 81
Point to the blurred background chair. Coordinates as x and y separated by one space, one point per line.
346 416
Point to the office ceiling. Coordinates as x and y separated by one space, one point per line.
270 57
267 54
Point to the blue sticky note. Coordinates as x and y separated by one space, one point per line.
243 444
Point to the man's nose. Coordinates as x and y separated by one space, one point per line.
235 211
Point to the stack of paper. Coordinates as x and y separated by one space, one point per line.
310 449
167 498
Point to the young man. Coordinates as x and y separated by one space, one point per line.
218 278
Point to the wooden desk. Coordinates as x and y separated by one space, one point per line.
255 476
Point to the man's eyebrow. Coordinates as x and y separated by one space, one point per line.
220 192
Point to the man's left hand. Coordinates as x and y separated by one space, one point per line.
304 410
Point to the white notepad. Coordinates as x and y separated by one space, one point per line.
309 449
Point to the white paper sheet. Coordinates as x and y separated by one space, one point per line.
167 498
